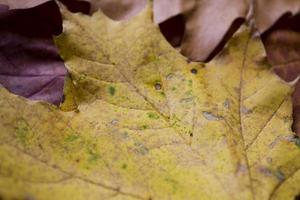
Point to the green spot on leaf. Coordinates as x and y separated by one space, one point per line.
93 157
172 183
111 90
145 126
152 115
22 131
71 138
125 135
124 166
151 58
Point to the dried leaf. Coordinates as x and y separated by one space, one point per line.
24 4
166 9
29 62
268 12
150 125
282 43
209 23
118 10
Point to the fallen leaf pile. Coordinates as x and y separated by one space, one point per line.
210 22
144 123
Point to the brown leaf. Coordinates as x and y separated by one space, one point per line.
207 25
170 18
268 12
282 44
22 4
118 10
210 24
166 9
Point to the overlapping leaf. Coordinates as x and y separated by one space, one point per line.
29 62
150 125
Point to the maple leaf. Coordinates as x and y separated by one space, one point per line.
149 124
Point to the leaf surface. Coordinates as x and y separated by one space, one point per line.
150 125
29 61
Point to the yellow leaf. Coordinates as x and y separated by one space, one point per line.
150 125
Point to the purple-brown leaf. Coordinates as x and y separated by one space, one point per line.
30 65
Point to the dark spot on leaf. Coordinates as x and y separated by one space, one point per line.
145 127
112 90
157 86
63 98
191 134
226 104
280 175
124 166
194 71
77 110
77 160
297 140
41 147
297 197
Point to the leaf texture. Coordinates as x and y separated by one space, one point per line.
149 124
29 61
